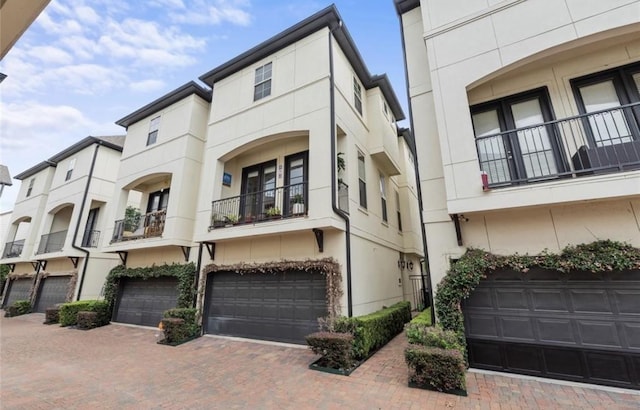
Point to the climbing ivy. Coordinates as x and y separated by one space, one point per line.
185 273
465 274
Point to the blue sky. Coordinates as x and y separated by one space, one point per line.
83 64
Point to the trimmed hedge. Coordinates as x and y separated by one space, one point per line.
68 315
17 308
179 325
374 330
87 320
440 369
52 315
336 348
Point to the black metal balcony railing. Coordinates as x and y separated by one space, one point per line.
52 242
91 239
152 226
13 249
277 203
598 142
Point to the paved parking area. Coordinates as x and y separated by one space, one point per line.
121 367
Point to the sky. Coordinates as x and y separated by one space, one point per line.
84 64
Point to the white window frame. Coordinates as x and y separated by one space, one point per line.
362 180
398 211
30 189
261 81
383 198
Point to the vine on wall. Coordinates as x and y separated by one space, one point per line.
465 274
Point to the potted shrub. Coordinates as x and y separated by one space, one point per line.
131 219
232 219
298 204
274 213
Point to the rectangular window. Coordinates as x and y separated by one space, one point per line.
262 87
72 164
531 152
153 131
31 182
383 198
385 108
357 95
158 200
398 211
362 181
602 94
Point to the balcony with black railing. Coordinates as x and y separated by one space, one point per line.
150 225
91 239
52 242
13 249
261 206
599 142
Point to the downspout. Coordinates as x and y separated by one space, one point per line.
336 209
75 233
418 186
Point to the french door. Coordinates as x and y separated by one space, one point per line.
531 151
258 191
295 195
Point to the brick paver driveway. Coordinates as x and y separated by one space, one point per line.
121 367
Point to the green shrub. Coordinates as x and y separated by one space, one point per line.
87 320
179 325
433 336
423 318
440 369
52 315
68 315
374 330
17 308
336 348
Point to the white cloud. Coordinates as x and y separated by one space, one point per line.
50 54
87 15
200 12
146 85
176 4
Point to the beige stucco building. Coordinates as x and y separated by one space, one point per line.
526 115
54 229
294 156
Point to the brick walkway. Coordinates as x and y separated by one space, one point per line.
121 367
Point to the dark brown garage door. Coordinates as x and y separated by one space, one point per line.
53 290
283 307
582 326
19 289
142 302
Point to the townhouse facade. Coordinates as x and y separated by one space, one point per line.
54 229
288 185
525 115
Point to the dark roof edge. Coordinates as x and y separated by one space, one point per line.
327 17
408 137
166 100
403 6
67 152
34 170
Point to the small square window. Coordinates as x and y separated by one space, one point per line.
262 87
154 125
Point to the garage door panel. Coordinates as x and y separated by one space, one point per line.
511 299
282 307
549 300
583 327
632 335
53 290
627 301
555 330
19 289
599 334
564 363
482 326
590 301
608 367
142 302
519 328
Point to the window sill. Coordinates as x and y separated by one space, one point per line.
363 210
